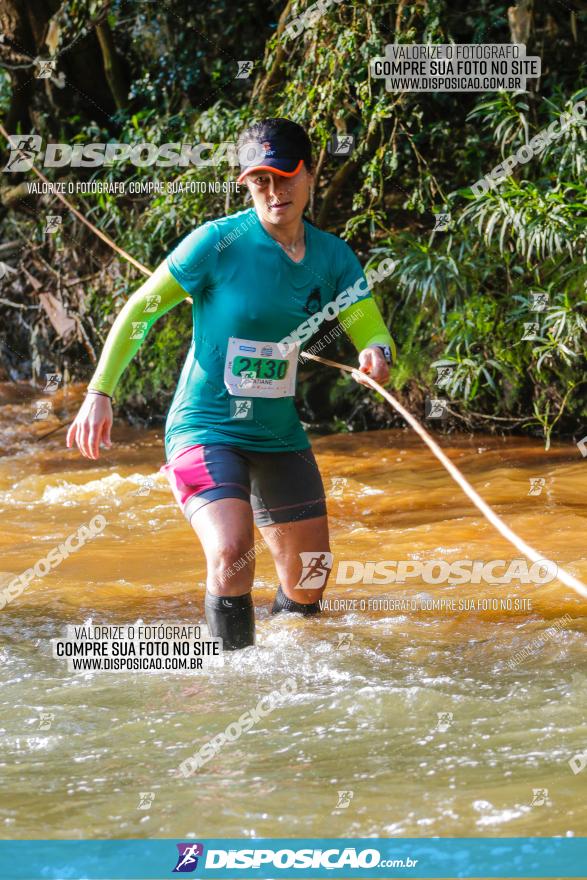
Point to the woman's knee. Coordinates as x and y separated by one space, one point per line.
230 555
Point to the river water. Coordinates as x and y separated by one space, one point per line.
431 722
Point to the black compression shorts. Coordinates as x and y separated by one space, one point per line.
280 486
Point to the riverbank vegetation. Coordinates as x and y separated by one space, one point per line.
463 292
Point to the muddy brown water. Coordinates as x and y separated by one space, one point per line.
439 722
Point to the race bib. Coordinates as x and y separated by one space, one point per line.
258 369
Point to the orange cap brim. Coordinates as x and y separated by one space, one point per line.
243 174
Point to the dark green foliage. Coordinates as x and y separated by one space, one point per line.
461 296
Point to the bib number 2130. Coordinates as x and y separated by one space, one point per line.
257 369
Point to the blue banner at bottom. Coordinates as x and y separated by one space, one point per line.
367 857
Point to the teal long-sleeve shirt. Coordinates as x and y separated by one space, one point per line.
248 297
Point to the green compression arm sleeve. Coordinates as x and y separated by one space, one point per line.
154 298
364 325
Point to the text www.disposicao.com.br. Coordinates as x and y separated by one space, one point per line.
134 664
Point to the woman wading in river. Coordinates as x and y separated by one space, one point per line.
237 454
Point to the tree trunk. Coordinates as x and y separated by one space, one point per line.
264 85
520 19
25 28
112 66
341 176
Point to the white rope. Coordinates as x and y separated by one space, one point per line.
563 576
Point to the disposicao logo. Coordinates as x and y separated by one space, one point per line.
27 150
187 860
328 859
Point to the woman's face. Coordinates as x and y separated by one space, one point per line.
279 200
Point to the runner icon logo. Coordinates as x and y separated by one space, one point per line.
578 762
435 408
45 68
540 797
247 378
146 798
341 144
245 69
344 799
337 486
45 720
241 409
444 721
152 303
530 330
53 381
187 860
536 485
139 329
145 488
444 373
539 302
52 224
23 151
44 410
442 222
315 569
344 641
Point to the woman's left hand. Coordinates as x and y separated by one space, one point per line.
372 362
